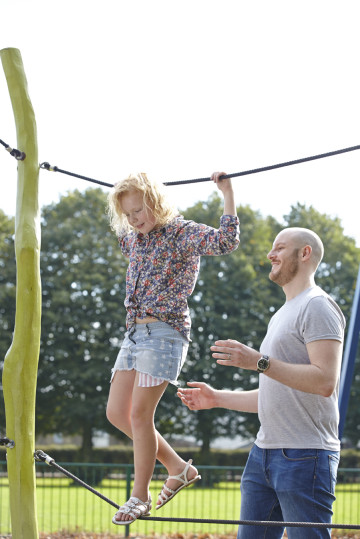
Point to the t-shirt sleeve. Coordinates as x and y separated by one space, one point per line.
323 319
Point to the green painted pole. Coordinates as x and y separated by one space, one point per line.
21 360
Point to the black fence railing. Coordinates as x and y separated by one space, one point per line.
63 505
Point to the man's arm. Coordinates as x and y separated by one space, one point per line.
318 377
201 396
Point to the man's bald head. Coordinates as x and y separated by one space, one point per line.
302 237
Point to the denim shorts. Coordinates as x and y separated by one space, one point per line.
155 349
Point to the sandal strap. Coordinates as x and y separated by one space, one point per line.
182 476
164 495
133 507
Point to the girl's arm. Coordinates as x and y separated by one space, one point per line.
225 186
198 239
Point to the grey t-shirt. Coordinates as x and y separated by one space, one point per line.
291 418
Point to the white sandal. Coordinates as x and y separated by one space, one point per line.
135 508
182 477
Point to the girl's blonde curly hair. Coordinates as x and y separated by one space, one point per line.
154 199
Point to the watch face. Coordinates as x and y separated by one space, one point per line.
263 364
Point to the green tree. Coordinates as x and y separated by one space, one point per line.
337 275
338 271
83 279
228 302
234 299
83 282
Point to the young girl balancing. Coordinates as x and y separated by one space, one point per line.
164 255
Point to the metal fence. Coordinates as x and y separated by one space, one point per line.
64 506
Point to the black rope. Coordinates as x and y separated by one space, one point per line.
6 442
257 523
20 156
271 167
47 166
41 456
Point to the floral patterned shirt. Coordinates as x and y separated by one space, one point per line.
164 265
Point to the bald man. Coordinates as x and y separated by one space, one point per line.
291 471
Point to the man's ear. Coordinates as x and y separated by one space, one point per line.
306 252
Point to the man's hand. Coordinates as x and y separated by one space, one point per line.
232 353
199 396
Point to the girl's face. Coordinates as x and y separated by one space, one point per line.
137 214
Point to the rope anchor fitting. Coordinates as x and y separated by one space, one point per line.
47 166
7 443
19 156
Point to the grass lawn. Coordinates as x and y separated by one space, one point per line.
63 506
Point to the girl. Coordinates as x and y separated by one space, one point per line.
164 256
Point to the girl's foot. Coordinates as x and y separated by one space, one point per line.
133 509
175 483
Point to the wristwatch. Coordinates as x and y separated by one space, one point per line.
263 363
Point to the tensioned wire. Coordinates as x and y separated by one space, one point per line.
39 455
19 155
47 166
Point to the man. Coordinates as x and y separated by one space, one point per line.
291 471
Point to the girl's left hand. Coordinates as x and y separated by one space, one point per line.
235 354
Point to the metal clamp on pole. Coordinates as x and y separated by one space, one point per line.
47 166
20 156
43 457
7 443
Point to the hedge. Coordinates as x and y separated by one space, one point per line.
350 458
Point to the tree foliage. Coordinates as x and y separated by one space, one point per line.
83 322
228 302
83 276
234 299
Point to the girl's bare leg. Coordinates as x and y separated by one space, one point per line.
145 436
131 409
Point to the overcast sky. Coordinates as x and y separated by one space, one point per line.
179 89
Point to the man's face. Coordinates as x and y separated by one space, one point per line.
284 259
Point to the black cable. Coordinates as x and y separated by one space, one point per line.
41 456
266 523
271 167
47 166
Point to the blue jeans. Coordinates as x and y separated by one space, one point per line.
288 485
